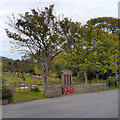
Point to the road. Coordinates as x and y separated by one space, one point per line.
90 105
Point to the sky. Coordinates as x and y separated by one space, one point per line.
77 10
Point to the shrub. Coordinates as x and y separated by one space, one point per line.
80 76
113 81
31 70
22 76
3 81
18 74
118 79
35 89
7 94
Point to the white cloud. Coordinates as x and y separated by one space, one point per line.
78 10
59 0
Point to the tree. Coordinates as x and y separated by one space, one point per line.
16 64
58 64
39 34
10 66
111 26
108 24
7 64
37 71
79 54
92 50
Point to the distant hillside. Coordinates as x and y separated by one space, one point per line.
6 64
4 59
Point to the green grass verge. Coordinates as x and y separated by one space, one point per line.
106 89
27 96
11 79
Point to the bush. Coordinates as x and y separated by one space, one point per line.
18 74
7 94
22 76
35 89
3 81
80 76
113 81
31 70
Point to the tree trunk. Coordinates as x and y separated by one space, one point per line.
44 84
85 75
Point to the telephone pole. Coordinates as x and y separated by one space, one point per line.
115 68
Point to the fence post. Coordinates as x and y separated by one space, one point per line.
19 87
24 86
14 86
29 87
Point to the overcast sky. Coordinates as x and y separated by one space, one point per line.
77 10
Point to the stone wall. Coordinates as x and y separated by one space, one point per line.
54 91
89 88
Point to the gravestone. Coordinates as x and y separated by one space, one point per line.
66 77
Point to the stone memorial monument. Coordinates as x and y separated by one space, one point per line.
66 77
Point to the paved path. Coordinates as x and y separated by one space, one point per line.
89 105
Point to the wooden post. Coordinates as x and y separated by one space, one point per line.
14 86
29 87
24 86
19 87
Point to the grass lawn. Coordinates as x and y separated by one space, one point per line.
9 78
0 79
27 96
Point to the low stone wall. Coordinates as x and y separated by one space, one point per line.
5 102
54 91
89 88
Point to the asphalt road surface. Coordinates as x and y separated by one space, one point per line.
90 105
